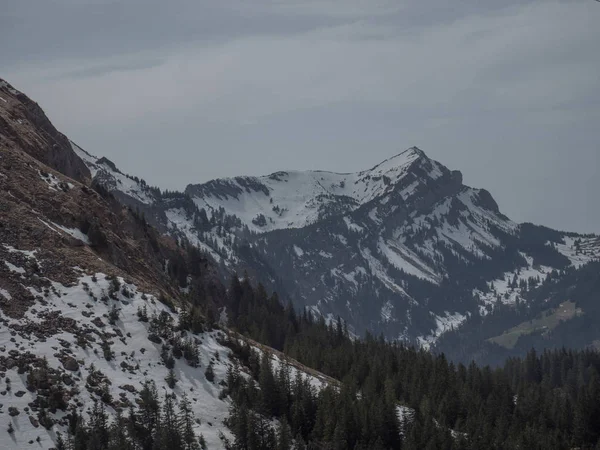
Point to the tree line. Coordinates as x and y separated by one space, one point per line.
548 400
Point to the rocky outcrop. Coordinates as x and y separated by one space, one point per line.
62 223
25 124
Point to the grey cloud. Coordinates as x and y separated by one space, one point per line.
185 91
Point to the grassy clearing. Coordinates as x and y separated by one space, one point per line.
545 322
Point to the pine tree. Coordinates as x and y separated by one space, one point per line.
171 379
268 387
60 443
146 422
209 372
169 431
284 440
118 439
98 429
186 425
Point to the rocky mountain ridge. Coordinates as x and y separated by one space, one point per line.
103 288
92 311
404 248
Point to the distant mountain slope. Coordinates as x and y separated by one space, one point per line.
296 199
561 311
403 248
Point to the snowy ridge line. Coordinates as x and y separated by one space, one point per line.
123 182
294 199
73 232
317 378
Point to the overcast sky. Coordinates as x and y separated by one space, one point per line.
185 91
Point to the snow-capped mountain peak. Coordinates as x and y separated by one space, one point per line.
294 199
403 248
397 162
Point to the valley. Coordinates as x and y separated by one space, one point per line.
294 310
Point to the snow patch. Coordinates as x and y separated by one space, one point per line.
503 290
404 259
580 251
72 303
14 268
353 226
27 253
74 232
50 179
386 311
444 323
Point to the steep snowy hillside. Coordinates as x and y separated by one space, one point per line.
97 309
92 342
78 344
295 199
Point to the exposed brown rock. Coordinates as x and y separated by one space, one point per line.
70 363
128 388
34 422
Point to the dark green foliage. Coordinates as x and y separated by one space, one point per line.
191 319
113 315
142 314
543 401
167 301
190 352
107 351
155 425
171 379
209 372
167 357
113 288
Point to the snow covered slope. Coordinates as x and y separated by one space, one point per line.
70 329
295 199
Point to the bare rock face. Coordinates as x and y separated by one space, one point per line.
49 206
45 143
70 363
128 388
34 422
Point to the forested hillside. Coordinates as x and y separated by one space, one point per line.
394 396
561 311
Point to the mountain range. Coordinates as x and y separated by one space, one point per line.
404 248
114 299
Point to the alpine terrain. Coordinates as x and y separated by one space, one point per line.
124 324
92 319
404 248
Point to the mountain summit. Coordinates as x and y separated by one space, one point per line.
294 199
403 248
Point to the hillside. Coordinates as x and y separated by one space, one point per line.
91 306
404 249
118 335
